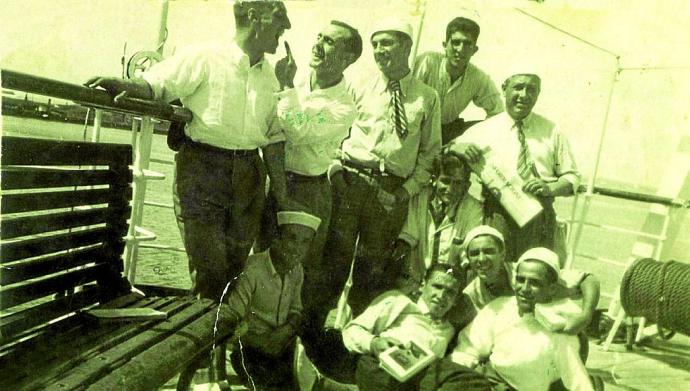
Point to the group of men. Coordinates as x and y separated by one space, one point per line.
347 165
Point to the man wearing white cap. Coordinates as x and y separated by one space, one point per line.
527 145
386 159
458 81
267 297
484 250
517 340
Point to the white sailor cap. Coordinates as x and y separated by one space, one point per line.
301 218
392 24
480 231
542 254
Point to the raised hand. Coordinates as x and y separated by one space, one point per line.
286 68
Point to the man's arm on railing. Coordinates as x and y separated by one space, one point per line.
116 87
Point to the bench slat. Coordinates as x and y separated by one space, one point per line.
169 355
32 177
16 294
41 152
102 364
26 202
93 340
32 225
33 247
17 272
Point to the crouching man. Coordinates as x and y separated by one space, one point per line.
515 333
267 297
393 319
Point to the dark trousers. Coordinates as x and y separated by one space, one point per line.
441 375
540 232
358 213
259 371
220 202
314 193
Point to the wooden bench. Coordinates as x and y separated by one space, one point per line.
65 207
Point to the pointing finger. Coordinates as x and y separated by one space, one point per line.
287 50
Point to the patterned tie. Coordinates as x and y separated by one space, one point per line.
525 166
398 116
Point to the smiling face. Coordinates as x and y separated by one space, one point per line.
439 293
269 25
329 54
459 48
486 258
521 93
533 285
452 184
391 51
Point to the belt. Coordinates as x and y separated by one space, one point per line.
227 152
367 170
306 177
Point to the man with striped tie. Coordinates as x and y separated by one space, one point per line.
532 146
387 158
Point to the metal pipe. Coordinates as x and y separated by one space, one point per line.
92 97
640 197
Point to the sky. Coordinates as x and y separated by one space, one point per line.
573 45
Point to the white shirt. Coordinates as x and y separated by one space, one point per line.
233 104
394 315
548 149
522 351
315 124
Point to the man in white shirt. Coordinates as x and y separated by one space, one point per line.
509 332
386 159
394 319
527 145
219 174
316 115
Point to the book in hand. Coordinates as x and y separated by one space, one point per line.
403 362
125 314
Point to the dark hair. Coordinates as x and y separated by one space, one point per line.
353 43
445 269
464 25
448 162
241 9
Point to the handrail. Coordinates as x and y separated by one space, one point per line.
92 97
641 197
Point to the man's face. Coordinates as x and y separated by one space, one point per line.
270 27
521 93
452 185
391 51
329 53
486 258
439 293
293 244
532 285
459 48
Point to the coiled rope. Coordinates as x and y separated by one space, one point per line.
658 291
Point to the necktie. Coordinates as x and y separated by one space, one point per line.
525 167
398 110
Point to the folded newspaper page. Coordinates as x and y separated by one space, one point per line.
505 183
